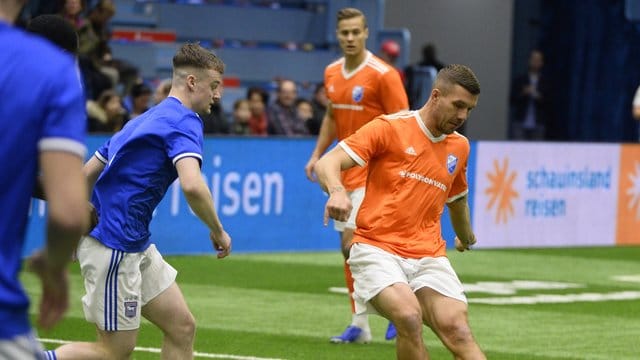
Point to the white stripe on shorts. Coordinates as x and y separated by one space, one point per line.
111 292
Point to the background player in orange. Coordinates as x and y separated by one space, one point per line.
416 163
360 86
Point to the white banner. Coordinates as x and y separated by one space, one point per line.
545 194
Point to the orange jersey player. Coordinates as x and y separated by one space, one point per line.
358 96
359 86
416 164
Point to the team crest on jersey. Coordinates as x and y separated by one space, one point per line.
452 161
358 93
130 308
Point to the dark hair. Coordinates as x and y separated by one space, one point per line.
460 75
350 13
57 30
140 89
105 96
256 90
238 102
194 55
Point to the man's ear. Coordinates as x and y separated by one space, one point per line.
191 81
435 94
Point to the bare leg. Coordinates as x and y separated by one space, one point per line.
447 317
399 304
169 312
110 345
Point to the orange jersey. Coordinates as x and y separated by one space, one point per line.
373 89
411 175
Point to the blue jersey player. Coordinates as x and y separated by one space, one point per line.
42 129
125 275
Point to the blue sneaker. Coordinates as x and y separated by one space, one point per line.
391 332
352 334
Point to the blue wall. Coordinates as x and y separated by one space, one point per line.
262 196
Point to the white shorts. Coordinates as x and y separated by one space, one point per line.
118 283
356 196
374 269
21 347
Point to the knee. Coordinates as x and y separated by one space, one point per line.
184 330
408 322
455 331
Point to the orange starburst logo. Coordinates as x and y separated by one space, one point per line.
501 191
634 192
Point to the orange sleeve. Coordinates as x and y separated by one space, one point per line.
392 93
459 187
368 141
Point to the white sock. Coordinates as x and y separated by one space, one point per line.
360 320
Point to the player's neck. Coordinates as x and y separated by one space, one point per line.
429 122
351 62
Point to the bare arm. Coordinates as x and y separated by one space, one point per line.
326 136
201 202
65 189
92 170
328 169
461 221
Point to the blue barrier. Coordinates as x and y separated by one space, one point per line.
260 192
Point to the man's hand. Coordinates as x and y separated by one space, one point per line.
338 206
55 290
465 245
221 242
308 169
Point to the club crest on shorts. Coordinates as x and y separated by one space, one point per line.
452 161
130 308
357 93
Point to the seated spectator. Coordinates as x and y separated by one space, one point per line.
241 116
216 121
319 103
283 119
304 111
140 96
107 114
258 100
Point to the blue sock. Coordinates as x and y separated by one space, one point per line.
50 355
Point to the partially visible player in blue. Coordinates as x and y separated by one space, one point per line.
125 276
42 129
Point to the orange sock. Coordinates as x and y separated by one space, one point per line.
349 279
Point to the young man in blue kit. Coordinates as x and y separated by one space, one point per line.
126 278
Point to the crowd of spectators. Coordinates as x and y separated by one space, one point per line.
115 92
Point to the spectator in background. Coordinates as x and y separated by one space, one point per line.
241 116
528 107
319 103
636 107
140 97
389 52
304 111
215 122
419 77
106 115
258 100
162 91
282 115
360 86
